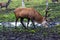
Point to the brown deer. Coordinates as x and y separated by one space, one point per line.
30 14
5 4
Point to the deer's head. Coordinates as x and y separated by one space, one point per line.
46 20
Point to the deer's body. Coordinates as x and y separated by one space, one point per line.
3 4
30 14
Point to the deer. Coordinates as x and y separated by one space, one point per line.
3 4
30 14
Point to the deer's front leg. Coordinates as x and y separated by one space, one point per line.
22 23
28 22
33 23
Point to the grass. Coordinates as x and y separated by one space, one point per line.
8 15
44 31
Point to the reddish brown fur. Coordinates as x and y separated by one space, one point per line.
28 13
1 4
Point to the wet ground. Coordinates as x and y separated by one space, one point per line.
12 24
45 34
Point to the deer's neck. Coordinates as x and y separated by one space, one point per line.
39 18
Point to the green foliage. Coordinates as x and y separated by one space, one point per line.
1 28
40 6
44 31
58 29
7 17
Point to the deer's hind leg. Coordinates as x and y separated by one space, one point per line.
28 22
33 23
22 22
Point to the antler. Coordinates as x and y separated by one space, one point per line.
46 9
46 15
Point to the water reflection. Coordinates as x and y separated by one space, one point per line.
12 24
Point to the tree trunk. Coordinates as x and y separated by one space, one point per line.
23 4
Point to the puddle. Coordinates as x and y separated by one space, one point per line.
12 24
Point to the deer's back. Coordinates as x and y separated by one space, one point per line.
28 13
24 12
